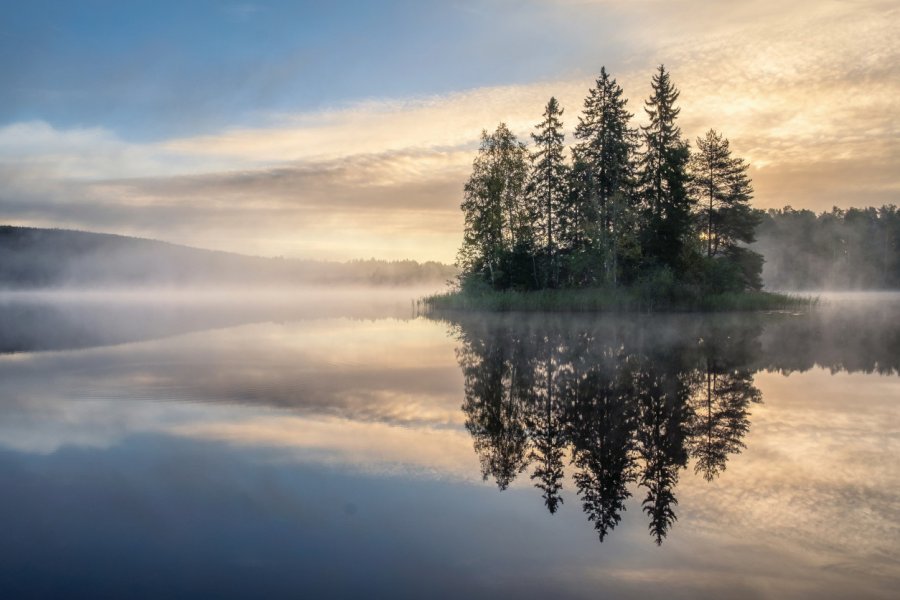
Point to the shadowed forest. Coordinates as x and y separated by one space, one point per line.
632 204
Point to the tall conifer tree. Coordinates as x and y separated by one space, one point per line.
664 178
606 148
723 192
547 186
725 219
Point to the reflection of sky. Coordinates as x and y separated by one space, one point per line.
332 453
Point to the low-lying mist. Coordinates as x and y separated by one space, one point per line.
60 319
853 249
48 258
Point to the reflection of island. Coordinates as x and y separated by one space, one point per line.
629 401
626 403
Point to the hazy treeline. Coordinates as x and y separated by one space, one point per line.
627 204
857 248
35 258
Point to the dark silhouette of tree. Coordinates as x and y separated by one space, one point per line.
547 188
606 148
496 220
628 404
661 437
494 406
664 177
635 207
721 417
548 432
584 255
722 188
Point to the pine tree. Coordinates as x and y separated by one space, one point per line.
723 191
606 148
664 178
547 187
495 214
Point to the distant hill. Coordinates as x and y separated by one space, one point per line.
46 258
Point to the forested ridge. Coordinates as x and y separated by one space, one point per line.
39 258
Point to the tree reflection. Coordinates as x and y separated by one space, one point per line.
602 425
624 406
494 407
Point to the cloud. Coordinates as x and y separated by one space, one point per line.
808 93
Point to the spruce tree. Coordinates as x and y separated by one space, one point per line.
547 187
664 178
579 222
606 148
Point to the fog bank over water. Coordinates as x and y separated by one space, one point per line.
854 249
66 319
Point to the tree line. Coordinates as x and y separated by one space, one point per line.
857 248
623 204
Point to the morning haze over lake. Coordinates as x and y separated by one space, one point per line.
494 299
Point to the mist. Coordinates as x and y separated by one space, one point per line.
854 249
59 259
469 299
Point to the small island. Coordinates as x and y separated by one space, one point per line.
634 220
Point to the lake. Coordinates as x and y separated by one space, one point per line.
340 444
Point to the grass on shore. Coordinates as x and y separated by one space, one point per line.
612 300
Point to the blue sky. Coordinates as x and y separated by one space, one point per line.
347 129
152 69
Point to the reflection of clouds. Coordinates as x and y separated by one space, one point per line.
368 446
383 374
429 449
810 502
329 363
46 426
816 480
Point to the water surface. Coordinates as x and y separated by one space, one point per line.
327 443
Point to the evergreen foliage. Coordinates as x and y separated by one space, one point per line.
623 407
607 149
725 219
547 190
663 179
631 208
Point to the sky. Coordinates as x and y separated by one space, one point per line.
340 130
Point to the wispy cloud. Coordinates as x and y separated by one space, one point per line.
809 94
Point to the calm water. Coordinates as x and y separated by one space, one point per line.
336 444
